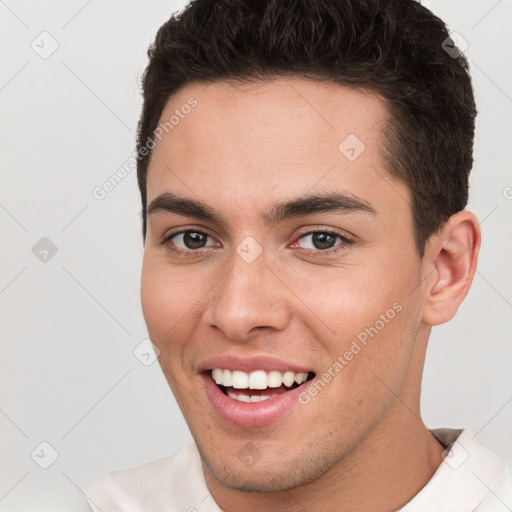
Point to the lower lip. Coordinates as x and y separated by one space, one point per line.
254 414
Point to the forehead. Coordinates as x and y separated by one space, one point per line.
244 145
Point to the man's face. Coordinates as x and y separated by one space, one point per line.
261 287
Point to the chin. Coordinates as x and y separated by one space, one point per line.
269 475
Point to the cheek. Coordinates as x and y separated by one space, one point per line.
168 296
156 298
368 318
344 302
376 348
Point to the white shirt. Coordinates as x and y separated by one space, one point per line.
470 479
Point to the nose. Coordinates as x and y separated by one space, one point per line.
249 297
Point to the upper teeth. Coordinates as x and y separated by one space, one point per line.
258 379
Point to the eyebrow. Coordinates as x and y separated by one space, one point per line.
333 202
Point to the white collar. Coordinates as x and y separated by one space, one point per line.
465 477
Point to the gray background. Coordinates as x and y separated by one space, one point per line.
70 324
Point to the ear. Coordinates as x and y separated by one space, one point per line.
450 263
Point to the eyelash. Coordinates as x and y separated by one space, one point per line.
345 241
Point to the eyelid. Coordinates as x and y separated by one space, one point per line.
168 234
324 229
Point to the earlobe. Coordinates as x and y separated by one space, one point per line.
452 258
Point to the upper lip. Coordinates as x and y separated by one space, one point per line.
250 364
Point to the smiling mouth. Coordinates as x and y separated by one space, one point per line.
259 385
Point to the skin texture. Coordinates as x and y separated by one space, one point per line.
360 443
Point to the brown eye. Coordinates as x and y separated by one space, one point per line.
321 240
189 240
194 240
